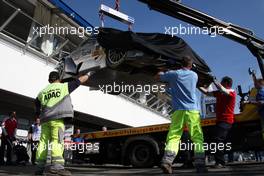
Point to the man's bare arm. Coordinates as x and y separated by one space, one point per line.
222 88
206 92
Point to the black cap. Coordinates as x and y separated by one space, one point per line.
53 76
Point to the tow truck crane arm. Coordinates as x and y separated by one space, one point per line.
236 33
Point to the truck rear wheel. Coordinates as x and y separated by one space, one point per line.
142 154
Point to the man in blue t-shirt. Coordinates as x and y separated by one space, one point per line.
77 140
182 85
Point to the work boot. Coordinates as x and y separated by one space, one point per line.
167 161
61 172
201 170
39 171
199 163
166 168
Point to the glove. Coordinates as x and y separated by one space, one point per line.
213 77
90 73
215 80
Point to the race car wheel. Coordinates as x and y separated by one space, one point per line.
115 57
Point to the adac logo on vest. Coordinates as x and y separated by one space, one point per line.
52 94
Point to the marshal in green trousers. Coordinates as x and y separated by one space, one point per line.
52 133
180 118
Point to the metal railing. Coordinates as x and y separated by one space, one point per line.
149 101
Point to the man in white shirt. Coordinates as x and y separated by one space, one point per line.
34 136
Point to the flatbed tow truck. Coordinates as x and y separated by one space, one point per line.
143 146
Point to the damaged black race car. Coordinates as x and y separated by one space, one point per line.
128 58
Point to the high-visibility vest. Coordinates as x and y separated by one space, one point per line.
55 102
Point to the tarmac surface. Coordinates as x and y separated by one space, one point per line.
234 169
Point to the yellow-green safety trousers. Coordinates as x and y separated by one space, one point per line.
52 133
180 118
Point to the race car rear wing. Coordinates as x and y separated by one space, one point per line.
236 33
